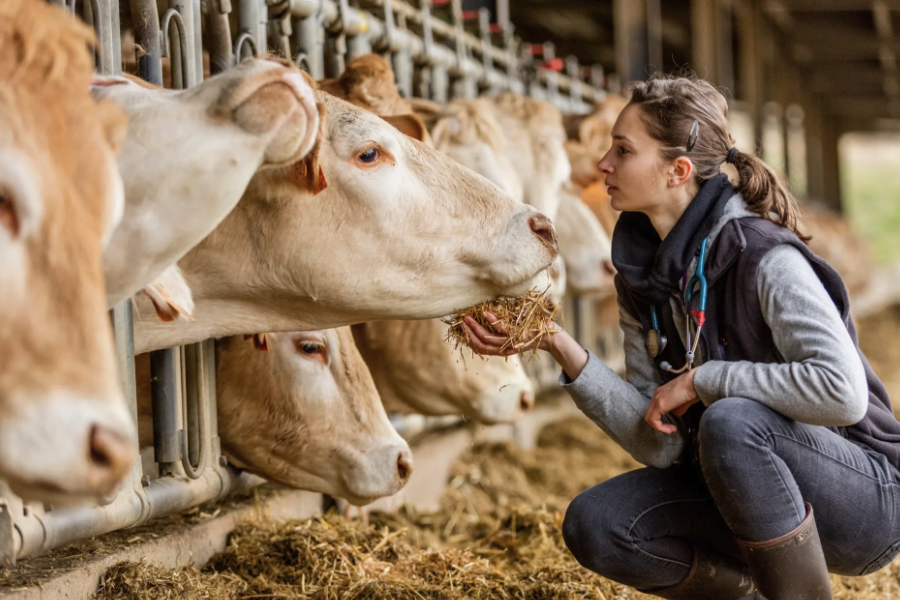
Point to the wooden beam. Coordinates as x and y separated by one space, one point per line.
632 60
834 5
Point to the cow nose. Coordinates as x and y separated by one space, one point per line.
543 228
526 400
111 456
404 466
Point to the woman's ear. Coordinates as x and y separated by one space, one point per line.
680 171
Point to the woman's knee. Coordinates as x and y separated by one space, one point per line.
733 421
594 528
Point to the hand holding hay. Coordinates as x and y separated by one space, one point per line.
505 326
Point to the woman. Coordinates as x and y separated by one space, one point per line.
747 396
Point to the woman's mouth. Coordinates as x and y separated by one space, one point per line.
610 189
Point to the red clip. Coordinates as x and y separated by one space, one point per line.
700 316
470 15
554 64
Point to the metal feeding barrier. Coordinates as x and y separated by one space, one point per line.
438 51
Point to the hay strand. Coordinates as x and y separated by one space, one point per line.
526 319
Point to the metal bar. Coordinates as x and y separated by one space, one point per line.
309 38
145 22
165 406
218 34
178 53
185 24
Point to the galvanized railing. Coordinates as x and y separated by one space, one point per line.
437 50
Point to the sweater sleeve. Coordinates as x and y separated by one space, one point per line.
822 381
618 406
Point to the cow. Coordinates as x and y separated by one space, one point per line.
389 228
304 413
65 431
585 248
414 369
189 156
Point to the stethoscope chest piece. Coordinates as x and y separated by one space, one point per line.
656 343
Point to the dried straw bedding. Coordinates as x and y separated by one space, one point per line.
497 535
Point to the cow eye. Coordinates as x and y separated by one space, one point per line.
309 348
368 156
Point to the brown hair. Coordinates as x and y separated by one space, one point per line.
670 105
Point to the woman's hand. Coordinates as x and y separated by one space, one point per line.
492 342
677 396
561 346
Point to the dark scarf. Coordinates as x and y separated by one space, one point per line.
651 268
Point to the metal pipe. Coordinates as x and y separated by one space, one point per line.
178 53
185 25
145 23
163 382
218 36
308 36
196 415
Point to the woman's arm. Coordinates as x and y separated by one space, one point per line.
823 381
616 406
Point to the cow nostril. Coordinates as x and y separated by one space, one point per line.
607 266
109 452
542 227
404 467
526 401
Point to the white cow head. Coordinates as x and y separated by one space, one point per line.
190 154
416 371
306 414
400 231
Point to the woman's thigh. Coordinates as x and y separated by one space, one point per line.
640 528
762 467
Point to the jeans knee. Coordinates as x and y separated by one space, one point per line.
731 421
592 531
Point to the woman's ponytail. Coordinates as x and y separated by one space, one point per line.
766 194
670 106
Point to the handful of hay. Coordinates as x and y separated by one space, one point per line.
526 320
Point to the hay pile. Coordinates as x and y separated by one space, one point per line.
526 319
497 535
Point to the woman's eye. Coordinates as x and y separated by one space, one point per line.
369 156
623 150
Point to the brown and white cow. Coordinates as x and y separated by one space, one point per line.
400 231
65 431
190 154
304 413
416 371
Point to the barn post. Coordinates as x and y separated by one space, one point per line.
751 84
630 26
832 129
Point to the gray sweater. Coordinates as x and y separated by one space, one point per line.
821 382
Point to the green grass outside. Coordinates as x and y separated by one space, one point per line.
870 173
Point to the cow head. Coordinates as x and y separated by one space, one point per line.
65 431
585 248
306 414
416 371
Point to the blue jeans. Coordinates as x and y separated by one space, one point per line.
758 469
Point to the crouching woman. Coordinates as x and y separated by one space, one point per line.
772 452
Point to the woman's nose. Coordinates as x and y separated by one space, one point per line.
605 164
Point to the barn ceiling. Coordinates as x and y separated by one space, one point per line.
846 51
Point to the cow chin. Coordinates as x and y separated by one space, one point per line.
63 449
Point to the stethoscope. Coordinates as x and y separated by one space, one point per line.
656 341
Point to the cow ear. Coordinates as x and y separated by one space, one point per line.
171 296
307 174
260 341
410 125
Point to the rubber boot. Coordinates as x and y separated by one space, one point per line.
790 567
711 578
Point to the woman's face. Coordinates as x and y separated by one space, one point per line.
636 175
